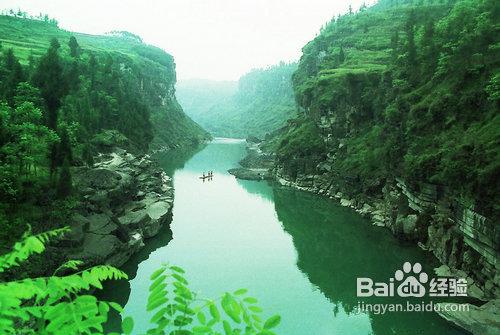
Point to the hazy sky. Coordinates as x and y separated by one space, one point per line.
211 39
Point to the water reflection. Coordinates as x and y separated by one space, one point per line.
119 290
335 246
174 160
298 253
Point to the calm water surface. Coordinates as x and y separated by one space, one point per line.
298 253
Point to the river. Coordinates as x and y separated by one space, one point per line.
298 253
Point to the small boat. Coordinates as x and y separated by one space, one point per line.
209 176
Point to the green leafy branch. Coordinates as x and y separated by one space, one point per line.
61 305
178 311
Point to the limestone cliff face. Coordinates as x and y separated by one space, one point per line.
124 201
172 127
456 234
412 147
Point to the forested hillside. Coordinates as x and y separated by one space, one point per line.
202 98
261 104
406 89
66 97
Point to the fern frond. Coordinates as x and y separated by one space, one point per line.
31 244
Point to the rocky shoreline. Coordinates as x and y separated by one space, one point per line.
465 242
124 200
256 165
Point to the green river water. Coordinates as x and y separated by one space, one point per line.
298 253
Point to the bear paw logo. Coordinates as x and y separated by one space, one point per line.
411 286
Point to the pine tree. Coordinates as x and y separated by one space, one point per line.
341 55
429 51
74 47
49 78
13 74
64 184
64 151
411 48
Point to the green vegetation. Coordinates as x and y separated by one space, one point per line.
66 97
111 65
261 104
60 304
405 89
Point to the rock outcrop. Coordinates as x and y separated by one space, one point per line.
457 235
250 174
482 320
465 241
256 165
124 200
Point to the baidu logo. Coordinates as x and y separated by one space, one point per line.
410 281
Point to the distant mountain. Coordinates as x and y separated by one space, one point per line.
260 102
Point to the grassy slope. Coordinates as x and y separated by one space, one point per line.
172 127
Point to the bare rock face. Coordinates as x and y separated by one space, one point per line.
250 173
125 199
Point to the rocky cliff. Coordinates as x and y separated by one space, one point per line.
124 201
458 236
465 242
401 126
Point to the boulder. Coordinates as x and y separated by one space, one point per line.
346 202
101 224
97 249
409 224
128 198
250 174
378 218
101 179
74 238
135 220
405 226
482 320
366 209
99 199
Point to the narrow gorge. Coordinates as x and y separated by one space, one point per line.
292 181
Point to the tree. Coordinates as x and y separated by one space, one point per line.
13 74
72 76
429 50
411 49
74 47
395 45
64 184
87 155
25 92
92 69
49 78
64 150
341 55
24 139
